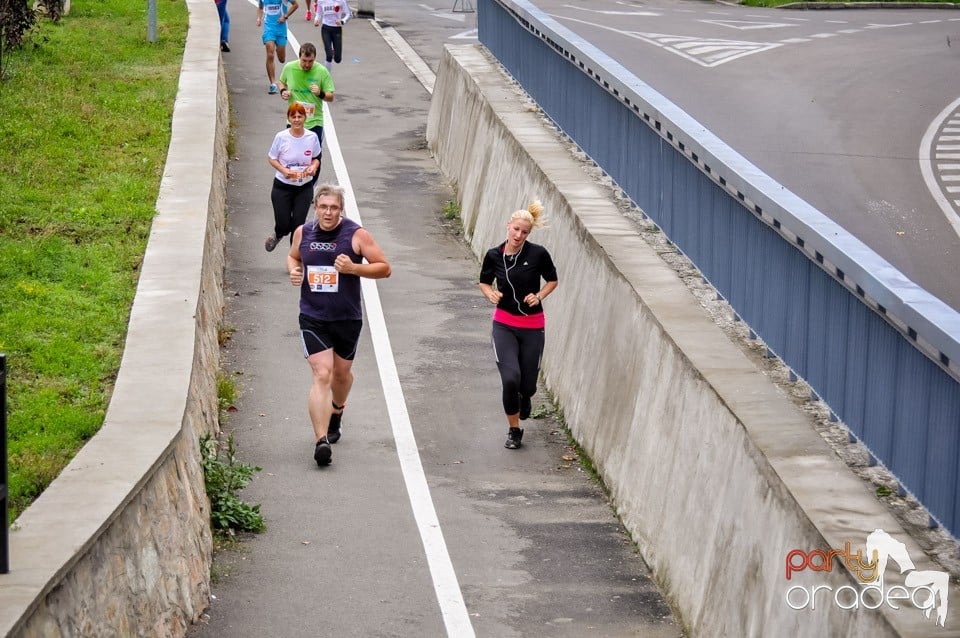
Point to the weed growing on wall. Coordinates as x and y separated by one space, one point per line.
225 476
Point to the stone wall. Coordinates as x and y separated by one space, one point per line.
119 544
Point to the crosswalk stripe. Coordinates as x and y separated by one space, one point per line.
704 51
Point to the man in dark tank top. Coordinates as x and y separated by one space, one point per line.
326 262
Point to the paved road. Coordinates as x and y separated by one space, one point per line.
836 105
527 537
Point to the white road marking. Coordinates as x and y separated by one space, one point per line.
614 13
745 25
445 583
795 41
849 31
926 164
456 17
469 34
824 35
948 167
706 52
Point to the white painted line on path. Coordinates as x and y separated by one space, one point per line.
445 583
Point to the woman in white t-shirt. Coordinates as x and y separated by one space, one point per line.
295 154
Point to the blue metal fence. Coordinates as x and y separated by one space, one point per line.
880 351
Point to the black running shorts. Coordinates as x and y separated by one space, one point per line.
318 336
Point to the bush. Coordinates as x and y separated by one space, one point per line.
16 20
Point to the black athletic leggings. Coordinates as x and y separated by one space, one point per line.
518 352
290 206
332 42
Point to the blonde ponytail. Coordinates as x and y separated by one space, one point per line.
533 215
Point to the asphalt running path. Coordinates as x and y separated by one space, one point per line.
424 524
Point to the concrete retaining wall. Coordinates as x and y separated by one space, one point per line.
714 471
119 544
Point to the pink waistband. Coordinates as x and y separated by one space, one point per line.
530 322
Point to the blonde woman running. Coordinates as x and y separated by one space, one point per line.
517 266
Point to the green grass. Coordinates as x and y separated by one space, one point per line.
86 124
780 3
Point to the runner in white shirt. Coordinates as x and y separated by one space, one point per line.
333 14
295 154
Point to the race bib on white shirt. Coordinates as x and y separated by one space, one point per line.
323 279
298 174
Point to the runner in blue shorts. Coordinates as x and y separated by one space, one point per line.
272 15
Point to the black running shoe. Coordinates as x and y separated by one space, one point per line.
525 408
322 453
333 430
514 436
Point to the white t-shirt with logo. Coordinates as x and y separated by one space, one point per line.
295 153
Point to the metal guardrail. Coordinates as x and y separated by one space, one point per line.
883 353
4 490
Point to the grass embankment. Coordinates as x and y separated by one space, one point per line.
86 125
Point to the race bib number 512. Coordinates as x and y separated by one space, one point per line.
323 279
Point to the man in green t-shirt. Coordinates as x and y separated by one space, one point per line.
309 84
